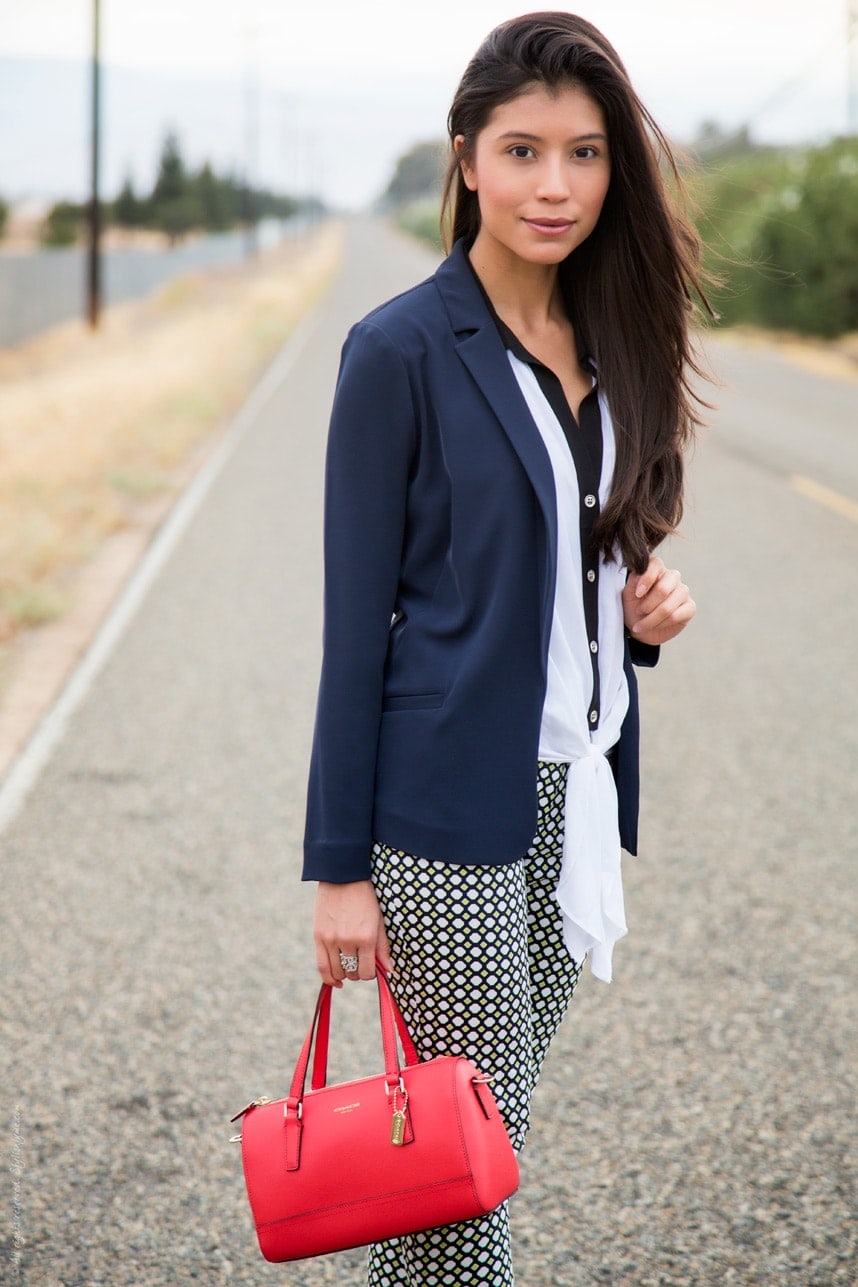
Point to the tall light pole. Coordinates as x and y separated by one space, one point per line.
251 145
852 69
94 256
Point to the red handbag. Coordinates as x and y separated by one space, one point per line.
339 1166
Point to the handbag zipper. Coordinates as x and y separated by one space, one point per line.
254 1103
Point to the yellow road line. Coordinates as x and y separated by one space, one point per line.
825 496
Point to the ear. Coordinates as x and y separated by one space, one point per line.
468 172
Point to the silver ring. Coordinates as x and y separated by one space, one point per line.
349 963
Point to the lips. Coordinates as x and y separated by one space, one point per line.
551 227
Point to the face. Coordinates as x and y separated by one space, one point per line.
540 168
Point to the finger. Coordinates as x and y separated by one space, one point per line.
662 610
328 945
658 605
323 965
377 951
657 629
382 950
366 958
367 949
655 569
347 952
665 586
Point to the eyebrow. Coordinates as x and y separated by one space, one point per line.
535 138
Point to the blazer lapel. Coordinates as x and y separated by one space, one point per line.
479 346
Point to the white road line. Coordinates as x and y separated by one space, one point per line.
825 496
28 765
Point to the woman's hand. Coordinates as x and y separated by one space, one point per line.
657 604
348 920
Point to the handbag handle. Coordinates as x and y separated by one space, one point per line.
386 999
392 1023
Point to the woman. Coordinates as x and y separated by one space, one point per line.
504 456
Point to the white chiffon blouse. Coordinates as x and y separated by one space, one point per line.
582 717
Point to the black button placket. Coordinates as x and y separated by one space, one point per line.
585 443
584 437
588 463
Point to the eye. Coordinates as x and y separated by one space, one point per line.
521 151
585 153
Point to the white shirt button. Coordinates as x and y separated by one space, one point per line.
594 647
594 715
591 576
589 500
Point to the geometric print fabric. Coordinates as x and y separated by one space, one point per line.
481 971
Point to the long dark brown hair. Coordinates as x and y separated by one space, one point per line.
630 286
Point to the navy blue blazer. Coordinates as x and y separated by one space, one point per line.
440 554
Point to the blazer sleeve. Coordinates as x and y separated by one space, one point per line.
643 654
371 446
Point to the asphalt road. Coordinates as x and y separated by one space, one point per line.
695 1117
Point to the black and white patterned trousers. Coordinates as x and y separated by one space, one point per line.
481 971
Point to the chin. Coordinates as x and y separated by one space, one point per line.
550 252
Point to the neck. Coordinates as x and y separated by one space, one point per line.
527 296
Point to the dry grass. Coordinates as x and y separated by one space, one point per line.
92 426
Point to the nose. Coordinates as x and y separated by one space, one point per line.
553 184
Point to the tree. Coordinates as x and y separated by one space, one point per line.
418 173
713 141
129 210
175 206
808 246
4 216
214 198
781 231
733 195
172 181
269 205
181 200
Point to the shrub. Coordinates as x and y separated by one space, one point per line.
420 218
807 242
63 224
782 232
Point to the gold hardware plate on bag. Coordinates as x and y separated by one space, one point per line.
397 1130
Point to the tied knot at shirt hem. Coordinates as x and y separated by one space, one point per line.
590 888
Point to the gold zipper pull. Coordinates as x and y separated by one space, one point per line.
254 1103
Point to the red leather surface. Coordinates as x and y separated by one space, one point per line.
351 1185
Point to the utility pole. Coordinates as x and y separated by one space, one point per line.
852 68
251 145
94 258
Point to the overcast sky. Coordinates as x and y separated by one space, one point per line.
346 85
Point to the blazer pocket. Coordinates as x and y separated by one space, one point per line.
413 702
